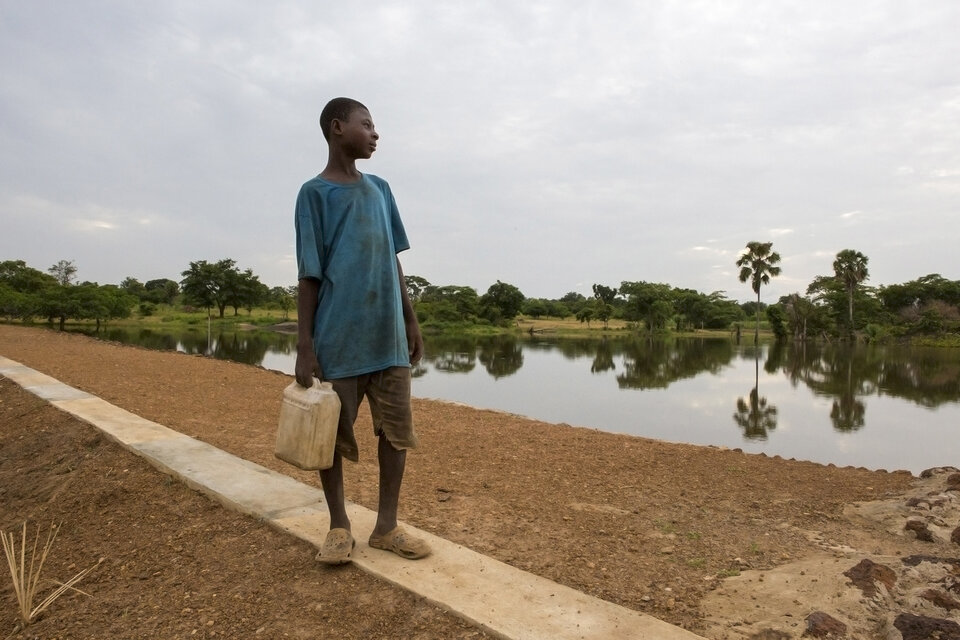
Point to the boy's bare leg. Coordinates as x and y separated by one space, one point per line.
332 481
392 464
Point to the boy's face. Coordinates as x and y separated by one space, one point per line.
358 136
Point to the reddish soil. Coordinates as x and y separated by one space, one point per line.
650 525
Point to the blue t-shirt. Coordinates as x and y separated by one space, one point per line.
348 236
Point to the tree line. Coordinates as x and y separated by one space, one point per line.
841 305
27 293
838 304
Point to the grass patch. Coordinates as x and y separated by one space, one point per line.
666 527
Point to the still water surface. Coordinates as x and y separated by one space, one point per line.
873 406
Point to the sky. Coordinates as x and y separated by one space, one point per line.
549 145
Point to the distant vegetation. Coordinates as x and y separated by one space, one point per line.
833 306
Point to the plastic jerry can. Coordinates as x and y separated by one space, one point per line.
307 433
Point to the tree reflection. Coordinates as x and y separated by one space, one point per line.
847 413
246 347
656 364
929 377
450 354
755 416
418 370
501 358
842 373
845 374
603 359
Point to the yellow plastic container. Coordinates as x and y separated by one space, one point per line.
307 433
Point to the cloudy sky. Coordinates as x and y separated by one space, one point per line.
551 145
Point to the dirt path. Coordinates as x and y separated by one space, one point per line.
649 525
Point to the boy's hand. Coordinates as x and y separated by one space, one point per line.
414 341
307 367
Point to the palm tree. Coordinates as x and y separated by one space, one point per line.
757 265
850 268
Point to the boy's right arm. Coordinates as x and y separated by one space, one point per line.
308 291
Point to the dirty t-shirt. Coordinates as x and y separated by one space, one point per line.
348 236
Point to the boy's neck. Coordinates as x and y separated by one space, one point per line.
341 168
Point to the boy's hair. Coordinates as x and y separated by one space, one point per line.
337 109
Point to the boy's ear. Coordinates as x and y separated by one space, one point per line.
336 127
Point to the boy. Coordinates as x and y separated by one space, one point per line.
356 326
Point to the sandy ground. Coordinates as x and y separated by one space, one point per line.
726 544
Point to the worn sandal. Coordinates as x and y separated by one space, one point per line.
337 547
401 543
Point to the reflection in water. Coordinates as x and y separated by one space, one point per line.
844 373
248 347
656 364
688 386
502 358
756 417
603 360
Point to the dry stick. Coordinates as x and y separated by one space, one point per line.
25 586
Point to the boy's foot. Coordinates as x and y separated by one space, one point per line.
337 547
401 543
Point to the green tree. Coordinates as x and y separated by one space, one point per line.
501 303
648 301
777 319
58 304
64 271
758 264
415 287
206 284
585 314
573 301
449 303
133 287
850 268
557 309
284 298
161 290
535 307
243 289
603 302
803 316
19 277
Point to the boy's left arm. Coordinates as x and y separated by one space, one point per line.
414 338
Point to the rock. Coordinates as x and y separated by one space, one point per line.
915 560
955 536
867 573
823 625
929 473
923 627
920 528
953 481
770 634
940 599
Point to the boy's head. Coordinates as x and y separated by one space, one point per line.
337 109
